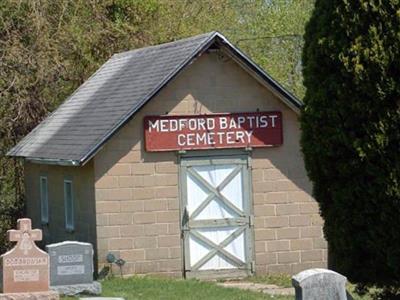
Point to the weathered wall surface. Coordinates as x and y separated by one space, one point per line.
137 202
83 194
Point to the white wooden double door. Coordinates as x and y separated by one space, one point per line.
216 217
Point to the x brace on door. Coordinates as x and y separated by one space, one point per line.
216 217
215 193
219 249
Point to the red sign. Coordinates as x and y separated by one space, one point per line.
214 131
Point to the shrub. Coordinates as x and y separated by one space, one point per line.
351 134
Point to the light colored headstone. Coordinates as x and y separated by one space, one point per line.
71 268
317 284
25 267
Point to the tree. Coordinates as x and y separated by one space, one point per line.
351 133
48 48
271 33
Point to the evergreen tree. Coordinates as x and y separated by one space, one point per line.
351 133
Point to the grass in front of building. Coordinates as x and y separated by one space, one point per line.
151 287
148 287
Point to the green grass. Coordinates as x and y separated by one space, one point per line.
371 294
151 287
351 290
163 288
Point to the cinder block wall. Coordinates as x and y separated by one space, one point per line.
83 195
137 202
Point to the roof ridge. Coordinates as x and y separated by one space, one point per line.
164 45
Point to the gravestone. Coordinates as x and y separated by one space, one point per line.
317 284
71 268
25 267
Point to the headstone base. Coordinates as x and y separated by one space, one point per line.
49 295
93 288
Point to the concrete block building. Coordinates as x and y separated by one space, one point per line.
182 159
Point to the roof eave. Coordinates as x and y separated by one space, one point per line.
51 161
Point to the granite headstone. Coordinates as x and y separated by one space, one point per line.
25 268
317 284
71 268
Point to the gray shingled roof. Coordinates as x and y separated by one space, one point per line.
99 107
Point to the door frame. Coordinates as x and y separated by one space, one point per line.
227 154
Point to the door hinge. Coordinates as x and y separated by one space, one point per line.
253 266
251 221
249 163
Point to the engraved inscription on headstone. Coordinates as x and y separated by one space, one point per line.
70 270
25 267
26 275
70 263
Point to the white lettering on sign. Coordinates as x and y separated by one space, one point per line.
207 123
64 259
25 261
154 125
213 131
273 120
225 123
70 270
26 275
208 138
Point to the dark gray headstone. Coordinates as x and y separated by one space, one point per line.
70 263
317 284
